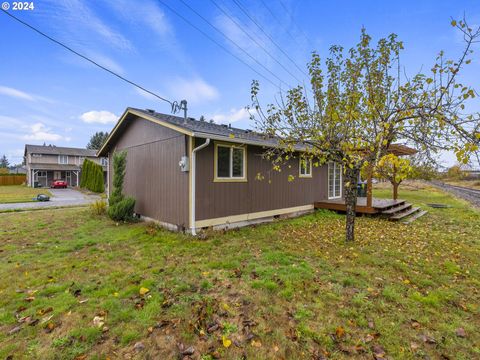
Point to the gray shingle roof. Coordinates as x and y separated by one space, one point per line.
58 150
205 128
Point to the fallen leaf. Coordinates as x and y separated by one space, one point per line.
378 352
340 332
144 290
460 332
49 327
226 341
256 344
98 321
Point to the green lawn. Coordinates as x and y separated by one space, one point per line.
288 290
19 193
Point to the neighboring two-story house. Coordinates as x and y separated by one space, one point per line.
45 163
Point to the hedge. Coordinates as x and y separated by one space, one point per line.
92 176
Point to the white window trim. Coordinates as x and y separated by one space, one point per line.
328 180
104 161
60 157
309 173
215 164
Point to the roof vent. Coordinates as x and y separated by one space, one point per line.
150 111
229 126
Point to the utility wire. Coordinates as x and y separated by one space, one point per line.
87 58
217 43
265 5
253 39
242 8
232 41
293 21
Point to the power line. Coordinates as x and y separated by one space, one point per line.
293 21
233 42
217 43
88 59
241 7
265 5
253 39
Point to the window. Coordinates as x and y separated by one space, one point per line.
41 174
305 167
230 163
334 180
104 161
63 159
80 159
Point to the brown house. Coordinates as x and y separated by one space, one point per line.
196 174
45 163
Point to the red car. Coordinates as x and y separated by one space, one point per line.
59 184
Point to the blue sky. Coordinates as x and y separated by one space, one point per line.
49 95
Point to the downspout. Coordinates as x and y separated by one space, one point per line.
192 169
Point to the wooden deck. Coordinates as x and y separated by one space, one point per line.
378 205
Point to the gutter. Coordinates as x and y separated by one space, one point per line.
192 170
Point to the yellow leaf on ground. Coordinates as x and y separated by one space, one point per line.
256 344
144 290
226 341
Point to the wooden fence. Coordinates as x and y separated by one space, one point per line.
16 179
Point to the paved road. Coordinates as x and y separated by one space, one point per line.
471 195
60 197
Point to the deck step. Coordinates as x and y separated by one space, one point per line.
397 209
415 217
404 214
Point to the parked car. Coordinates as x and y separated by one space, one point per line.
59 184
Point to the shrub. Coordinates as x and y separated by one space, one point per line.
122 210
98 207
119 165
92 176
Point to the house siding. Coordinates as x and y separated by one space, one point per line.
152 174
221 199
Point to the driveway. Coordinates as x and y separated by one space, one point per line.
60 197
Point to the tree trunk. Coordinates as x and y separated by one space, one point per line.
351 176
395 190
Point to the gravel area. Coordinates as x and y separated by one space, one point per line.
60 197
471 195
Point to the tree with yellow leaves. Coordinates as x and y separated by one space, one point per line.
393 169
361 103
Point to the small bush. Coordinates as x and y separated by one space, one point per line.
99 207
122 210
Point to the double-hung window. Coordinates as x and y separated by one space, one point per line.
63 159
334 180
230 163
305 167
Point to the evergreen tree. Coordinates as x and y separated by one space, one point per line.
97 140
4 162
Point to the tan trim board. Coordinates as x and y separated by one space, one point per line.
251 216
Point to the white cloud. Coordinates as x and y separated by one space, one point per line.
107 62
193 90
242 40
99 117
83 24
22 95
147 13
39 132
232 116
8 91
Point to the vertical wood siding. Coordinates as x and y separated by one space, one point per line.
219 199
153 176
